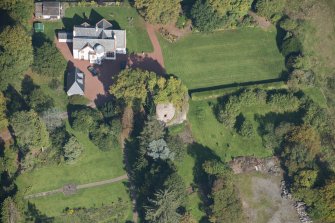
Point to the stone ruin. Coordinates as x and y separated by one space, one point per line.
245 164
299 206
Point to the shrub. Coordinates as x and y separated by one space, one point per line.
104 138
246 129
291 45
54 84
181 22
78 100
271 9
85 119
72 150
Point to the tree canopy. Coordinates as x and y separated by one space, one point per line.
16 54
30 130
72 150
136 85
48 61
3 118
161 12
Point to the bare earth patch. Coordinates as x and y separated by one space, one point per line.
261 21
262 201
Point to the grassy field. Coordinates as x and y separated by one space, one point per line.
93 165
220 58
226 143
93 197
137 37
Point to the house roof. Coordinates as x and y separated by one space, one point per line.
76 82
51 8
104 24
80 43
64 35
99 34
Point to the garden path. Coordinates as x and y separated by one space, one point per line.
78 187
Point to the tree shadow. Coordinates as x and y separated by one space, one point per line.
36 216
145 63
101 99
201 154
38 39
70 69
15 101
28 86
110 69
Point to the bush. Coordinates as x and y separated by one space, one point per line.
288 24
181 22
85 119
271 9
246 129
54 84
104 138
78 100
291 46
72 150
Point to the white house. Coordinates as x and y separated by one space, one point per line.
97 43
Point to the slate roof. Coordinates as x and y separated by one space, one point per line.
104 24
120 38
51 8
100 34
79 43
76 82
64 35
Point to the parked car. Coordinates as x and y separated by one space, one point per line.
94 71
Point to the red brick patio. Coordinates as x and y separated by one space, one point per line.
95 87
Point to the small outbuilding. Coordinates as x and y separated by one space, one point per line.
38 27
165 112
48 10
65 37
76 83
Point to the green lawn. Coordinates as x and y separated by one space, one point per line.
93 165
226 143
93 197
226 57
137 36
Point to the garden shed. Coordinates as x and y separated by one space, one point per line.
38 27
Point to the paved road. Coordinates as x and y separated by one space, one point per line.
78 187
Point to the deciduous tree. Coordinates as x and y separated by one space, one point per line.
3 118
162 12
49 61
30 130
16 54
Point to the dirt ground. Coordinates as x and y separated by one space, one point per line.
261 199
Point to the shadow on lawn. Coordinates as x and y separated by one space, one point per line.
91 19
145 63
202 154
